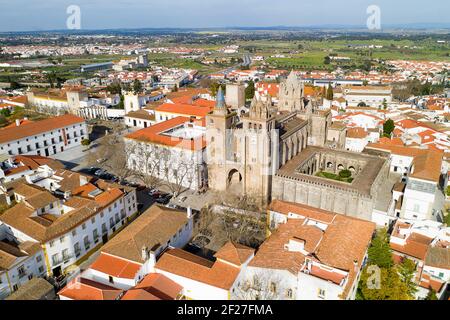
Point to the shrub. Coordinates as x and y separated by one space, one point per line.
345 174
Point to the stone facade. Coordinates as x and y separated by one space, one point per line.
297 181
244 152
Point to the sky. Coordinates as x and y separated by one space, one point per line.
37 15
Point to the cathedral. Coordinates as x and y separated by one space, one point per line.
245 151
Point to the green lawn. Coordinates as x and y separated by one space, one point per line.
332 176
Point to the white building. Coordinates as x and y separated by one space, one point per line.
422 170
127 259
69 227
426 244
204 279
370 95
173 151
45 137
312 254
20 261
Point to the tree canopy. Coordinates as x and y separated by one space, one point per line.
380 252
388 127
250 90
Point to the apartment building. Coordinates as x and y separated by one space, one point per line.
20 261
203 279
173 151
422 172
426 244
312 254
68 214
45 137
125 269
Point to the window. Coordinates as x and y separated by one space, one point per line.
321 294
74 232
111 222
65 254
102 214
104 230
273 287
111 279
83 226
39 258
77 249
51 243
21 271
86 242
55 259
95 235
41 269
93 220
289 293
61 239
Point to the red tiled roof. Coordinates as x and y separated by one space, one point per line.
153 134
116 267
85 289
37 127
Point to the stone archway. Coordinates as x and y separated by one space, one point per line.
234 181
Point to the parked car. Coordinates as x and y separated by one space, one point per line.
164 199
109 177
100 172
153 191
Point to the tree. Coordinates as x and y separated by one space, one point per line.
114 88
239 219
137 86
406 270
382 284
388 127
5 112
146 161
258 285
431 295
250 90
345 174
214 87
85 142
327 60
380 252
384 104
330 93
112 148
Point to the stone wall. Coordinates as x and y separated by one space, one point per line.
323 196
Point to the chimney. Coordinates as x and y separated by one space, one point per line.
152 261
17 122
355 264
189 213
144 253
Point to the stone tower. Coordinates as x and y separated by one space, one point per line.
74 97
131 102
291 94
218 126
240 159
235 96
